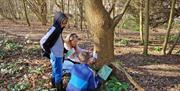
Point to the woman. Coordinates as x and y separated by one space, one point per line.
71 44
71 57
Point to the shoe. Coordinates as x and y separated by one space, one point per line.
52 83
59 87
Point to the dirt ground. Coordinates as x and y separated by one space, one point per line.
154 72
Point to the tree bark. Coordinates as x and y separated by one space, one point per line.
146 28
103 37
101 25
169 27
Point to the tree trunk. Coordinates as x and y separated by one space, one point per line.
18 9
76 15
103 36
25 11
44 13
141 21
51 6
68 6
175 42
114 8
101 26
169 27
146 28
81 14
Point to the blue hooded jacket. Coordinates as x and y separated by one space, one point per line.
48 42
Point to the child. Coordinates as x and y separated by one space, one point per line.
52 44
71 45
82 76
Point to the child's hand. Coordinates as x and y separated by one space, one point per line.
90 49
91 61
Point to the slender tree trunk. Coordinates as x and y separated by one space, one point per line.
169 27
44 13
81 14
114 8
62 5
76 14
68 6
16 2
146 28
141 21
51 6
25 11
175 42
68 12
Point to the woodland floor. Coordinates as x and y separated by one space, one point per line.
26 66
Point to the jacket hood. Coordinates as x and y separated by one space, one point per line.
58 18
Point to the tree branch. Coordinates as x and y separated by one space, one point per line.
113 6
58 5
175 42
117 18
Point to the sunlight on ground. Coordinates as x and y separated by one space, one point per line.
164 70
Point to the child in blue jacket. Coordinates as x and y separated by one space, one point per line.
53 45
82 76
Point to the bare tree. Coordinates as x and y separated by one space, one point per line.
39 8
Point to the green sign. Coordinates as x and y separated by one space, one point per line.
70 52
104 72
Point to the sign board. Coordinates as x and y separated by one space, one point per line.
104 72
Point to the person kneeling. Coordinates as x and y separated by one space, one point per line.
82 76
